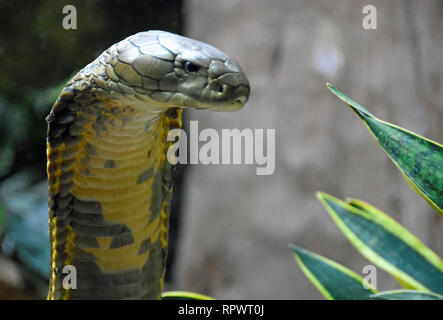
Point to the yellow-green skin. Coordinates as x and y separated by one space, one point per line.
110 183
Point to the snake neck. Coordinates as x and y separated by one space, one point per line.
110 189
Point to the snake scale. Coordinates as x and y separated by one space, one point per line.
110 183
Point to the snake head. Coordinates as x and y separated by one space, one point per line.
174 71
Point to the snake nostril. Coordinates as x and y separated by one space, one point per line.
216 86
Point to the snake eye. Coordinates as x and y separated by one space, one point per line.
190 67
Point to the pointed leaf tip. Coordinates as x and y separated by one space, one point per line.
356 107
332 279
419 159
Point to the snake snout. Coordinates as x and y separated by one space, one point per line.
229 85
237 90
240 95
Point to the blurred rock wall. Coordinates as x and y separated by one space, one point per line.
237 226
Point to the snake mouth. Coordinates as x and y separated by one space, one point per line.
238 98
241 96
240 101
235 105
231 99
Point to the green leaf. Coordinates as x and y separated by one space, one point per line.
419 159
333 280
184 295
406 295
386 243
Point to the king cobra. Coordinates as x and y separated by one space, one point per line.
110 181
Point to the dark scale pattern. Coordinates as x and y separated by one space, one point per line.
69 214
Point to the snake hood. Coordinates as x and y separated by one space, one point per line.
166 69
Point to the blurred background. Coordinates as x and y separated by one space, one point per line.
230 228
